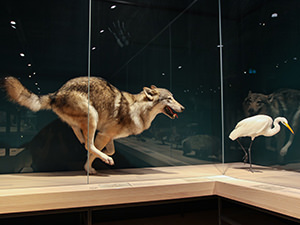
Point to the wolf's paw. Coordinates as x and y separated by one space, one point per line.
108 160
92 171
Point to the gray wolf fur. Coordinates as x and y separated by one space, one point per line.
283 102
111 112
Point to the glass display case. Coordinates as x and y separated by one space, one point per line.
139 44
167 48
261 67
174 76
43 46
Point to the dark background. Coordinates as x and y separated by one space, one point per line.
172 44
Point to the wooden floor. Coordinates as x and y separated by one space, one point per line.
269 188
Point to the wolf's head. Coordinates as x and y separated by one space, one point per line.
163 101
256 103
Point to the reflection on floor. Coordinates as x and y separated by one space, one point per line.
131 152
277 175
153 153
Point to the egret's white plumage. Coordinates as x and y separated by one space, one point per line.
256 126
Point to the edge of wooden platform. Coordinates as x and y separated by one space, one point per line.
169 186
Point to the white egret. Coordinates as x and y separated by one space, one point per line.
255 126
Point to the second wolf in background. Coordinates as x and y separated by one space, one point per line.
283 102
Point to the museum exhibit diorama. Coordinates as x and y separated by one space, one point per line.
150 112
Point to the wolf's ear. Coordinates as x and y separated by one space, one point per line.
150 92
250 92
153 87
270 97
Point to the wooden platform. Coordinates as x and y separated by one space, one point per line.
271 189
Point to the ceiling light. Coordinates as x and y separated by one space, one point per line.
113 7
22 54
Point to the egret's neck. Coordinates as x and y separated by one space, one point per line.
275 129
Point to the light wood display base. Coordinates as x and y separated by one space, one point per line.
267 188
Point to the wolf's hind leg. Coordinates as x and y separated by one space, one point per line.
88 165
76 111
89 134
78 133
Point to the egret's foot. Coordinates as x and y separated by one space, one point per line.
254 171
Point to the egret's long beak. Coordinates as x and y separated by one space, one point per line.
288 126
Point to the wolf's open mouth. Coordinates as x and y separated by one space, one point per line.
169 112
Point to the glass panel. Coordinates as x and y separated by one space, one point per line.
261 64
43 45
172 45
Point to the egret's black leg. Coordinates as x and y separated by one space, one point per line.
245 158
249 151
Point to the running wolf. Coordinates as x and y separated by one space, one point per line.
283 102
107 110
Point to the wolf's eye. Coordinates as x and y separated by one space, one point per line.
259 102
248 101
170 99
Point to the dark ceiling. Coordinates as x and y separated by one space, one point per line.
53 35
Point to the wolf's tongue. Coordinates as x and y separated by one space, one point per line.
174 114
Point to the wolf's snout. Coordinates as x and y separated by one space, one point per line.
182 108
251 111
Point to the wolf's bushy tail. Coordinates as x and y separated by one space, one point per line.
21 95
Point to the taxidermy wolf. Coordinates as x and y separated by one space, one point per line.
283 102
109 111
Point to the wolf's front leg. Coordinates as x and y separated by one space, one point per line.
109 148
102 141
95 153
92 156
295 125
